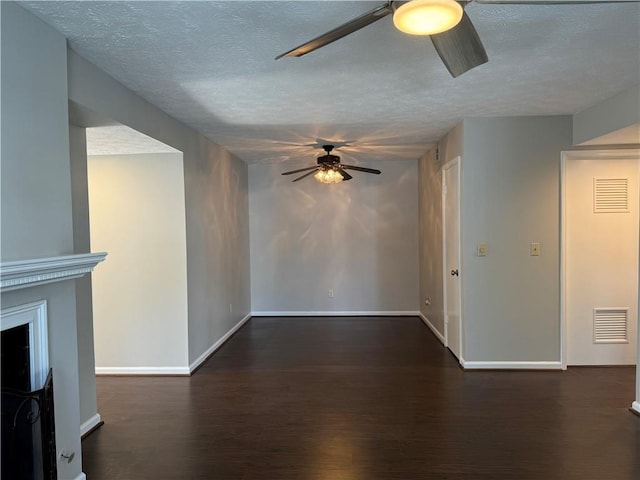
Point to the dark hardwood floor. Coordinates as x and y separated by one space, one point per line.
362 399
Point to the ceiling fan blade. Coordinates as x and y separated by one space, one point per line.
305 175
460 48
360 169
300 170
339 32
345 175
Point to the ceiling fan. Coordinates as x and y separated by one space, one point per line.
329 169
444 21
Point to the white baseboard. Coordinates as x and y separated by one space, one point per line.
402 313
82 476
172 370
142 371
635 406
432 328
89 424
198 361
470 365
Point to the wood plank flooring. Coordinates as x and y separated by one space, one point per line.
362 399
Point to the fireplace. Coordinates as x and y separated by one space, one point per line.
29 371
28 425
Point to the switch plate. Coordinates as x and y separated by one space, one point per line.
535 249
482 250
331 293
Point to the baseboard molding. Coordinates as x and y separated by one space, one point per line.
426 321
470 365
172 371
82 476
167 371
90 425
635 407
210 351
357 313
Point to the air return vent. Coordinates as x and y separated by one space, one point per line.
610 195
610 325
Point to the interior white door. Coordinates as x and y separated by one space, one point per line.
451 233
601 260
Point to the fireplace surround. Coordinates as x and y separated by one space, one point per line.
28 435
29 332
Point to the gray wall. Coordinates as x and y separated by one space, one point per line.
510 198
35 140
36 217
619 111
216 203
81 244
359 238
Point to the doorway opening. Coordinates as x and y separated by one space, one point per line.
128 322
137 214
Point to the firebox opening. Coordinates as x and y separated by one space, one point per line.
15 358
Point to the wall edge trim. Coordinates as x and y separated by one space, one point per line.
90 424
354 313
142 371
428 323
635 406
211 350
517 365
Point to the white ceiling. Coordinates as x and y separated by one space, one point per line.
630 134
120 139
211 65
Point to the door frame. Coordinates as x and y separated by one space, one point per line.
566 156
445 271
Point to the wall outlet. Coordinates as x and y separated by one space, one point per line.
331 293
482 250
535 249
231 308
427 301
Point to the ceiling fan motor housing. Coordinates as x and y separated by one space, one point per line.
328 158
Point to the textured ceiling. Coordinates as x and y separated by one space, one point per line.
630 134
386 94
120 139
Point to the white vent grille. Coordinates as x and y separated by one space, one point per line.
610 325
610 195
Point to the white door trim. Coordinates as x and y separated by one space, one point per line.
621 154
445 271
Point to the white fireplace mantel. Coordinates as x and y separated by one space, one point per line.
19 274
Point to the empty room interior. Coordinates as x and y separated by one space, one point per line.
332 240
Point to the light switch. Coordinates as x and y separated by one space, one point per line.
535 249
482 250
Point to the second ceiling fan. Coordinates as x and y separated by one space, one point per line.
444 21
329 169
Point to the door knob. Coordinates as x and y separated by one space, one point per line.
454 272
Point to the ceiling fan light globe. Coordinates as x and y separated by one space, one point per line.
328 176
427 17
